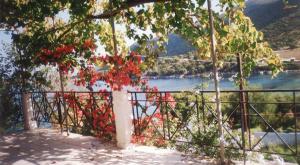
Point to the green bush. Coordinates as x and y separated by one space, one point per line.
200 132
271 106
203 135
284 150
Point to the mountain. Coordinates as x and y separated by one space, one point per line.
264 12
279 23
173 48
176 45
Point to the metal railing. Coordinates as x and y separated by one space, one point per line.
262 122
12 113
80 114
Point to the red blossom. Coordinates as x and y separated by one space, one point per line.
89 44
64 49
125 71
102 115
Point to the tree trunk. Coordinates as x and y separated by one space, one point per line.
63 100
216 82
112 24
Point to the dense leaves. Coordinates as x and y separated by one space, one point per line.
68 22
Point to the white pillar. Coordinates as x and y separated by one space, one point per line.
29 122
123 118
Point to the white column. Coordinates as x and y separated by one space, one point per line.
29 122
123 118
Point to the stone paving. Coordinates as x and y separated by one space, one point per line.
46 147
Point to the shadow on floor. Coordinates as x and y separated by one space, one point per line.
46 146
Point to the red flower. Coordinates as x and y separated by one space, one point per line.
89 44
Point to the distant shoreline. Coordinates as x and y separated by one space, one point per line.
209 75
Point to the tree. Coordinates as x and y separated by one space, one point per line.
12 83
44 32
89 20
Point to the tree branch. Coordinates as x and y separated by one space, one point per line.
125 5
109 13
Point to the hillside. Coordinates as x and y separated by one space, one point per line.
284 33
279 23
176 45
265 12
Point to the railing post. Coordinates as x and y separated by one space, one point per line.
295 120
133 114
243 119
167 115
248 118
198 114
203 110
137 115
123 118
162 114
60 118
29 122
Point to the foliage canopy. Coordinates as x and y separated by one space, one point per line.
53 24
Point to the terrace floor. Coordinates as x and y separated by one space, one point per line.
46 146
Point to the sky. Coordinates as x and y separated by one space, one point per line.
5 37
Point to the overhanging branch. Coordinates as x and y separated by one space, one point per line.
107 14
110 13
125 5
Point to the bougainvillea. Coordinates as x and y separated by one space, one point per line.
117 71
149 125
123 70
91 111
65 56
149 131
